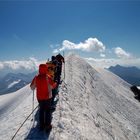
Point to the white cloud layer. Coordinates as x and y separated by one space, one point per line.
15 66
90 45
105 63
30 64
122 53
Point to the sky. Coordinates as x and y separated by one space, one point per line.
99 30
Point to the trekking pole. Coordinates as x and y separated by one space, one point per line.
64 64
33 106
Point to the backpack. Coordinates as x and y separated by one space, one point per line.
51 69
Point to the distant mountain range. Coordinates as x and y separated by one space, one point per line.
12 82
129 74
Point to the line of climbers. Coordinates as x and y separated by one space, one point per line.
46 84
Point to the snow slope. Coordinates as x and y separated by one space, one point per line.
93 104
14 108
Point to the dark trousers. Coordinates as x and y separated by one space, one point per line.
54 93
44 112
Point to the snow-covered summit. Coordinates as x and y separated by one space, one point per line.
93 104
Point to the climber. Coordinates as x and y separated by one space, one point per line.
44 85
60 60
52 70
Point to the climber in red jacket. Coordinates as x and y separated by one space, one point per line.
44 85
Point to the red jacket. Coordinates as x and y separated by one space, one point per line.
43 84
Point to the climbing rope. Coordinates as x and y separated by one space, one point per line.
24 122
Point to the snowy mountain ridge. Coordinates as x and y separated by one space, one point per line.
95 107
94 104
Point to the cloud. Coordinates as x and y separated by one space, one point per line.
121 53
29 65
89 45
55 51
102 55
1 66
54 46
105 63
